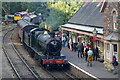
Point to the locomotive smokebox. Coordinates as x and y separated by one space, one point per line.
54 47
51 46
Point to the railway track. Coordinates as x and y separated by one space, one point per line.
55 75
20 67
60 74
6 28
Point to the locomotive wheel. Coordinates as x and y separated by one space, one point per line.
32 54
36 57
48 66
66 66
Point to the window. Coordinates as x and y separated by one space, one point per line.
108 51
114 20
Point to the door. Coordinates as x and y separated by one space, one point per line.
115 51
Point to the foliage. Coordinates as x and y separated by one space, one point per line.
73 34
12 7
61 12
86 39
49 28
42 25
55 13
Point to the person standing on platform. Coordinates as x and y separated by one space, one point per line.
95 53
67 43
70 43
81 50
83 44
114 63
86 52
78 47
63 40
90 57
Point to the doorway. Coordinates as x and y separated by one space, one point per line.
115 51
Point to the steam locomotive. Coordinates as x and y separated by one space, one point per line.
40 44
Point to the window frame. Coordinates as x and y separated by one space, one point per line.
113 46
114 20
108 51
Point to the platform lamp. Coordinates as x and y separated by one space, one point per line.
95 32
60 31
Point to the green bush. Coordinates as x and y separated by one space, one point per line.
42 25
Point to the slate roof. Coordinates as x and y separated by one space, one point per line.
112 37
89 14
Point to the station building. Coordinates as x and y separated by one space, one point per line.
111 12
97 24
87 25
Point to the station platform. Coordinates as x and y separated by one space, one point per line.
97 70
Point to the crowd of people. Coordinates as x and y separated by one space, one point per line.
84 50
89 54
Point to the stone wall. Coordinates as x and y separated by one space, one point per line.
108 29
108 17
119 19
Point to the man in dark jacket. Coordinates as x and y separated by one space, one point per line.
86 52
95 53
81 50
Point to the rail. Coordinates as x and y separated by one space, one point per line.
16 51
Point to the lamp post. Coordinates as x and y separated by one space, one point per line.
95 32
94 36
60 30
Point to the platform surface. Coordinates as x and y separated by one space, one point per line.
97 68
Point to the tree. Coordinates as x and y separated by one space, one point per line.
61 12
55 13
42 25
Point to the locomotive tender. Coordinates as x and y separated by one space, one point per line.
35 19
40 45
